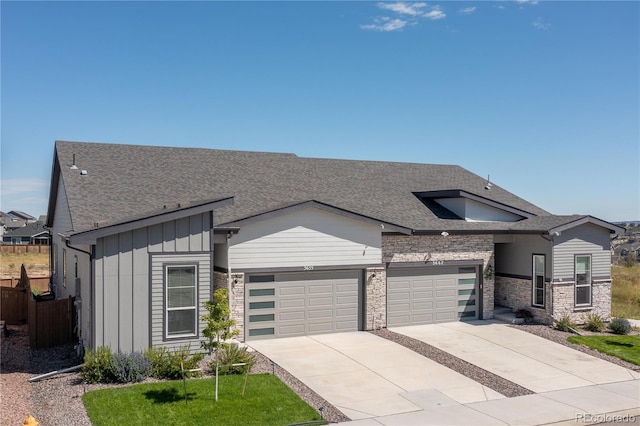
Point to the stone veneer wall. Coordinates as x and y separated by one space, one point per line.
560 299
426 248
564 301
516 293
376 298
237 297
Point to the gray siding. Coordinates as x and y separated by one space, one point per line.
61 225
515 258
124 297
585 239
309 237
158 261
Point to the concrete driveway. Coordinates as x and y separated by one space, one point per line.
366 376
533 362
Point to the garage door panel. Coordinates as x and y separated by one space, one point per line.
321 301
428 295
321 289
319 313
290 330
422 306
399 308
346 325
445 316
291 316
422 294
450 292
305 303
291 290
291 303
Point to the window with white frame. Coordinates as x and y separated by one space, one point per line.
583 280
181 300
538 280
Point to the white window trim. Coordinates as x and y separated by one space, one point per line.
534 281
168 336
589 285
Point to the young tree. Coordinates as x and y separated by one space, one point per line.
219 325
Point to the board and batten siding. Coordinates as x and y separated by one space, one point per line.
585 239
307 237
123 301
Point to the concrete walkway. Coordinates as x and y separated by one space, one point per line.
366 376
599 403
533 362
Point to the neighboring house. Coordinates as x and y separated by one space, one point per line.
15 214
8 223
143 235
621 253
33 233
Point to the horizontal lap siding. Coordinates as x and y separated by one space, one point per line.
306 238
203 262
125 309
587 239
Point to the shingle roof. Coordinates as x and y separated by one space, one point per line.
125 180
27 230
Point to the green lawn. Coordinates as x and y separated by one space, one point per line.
267 402
623 347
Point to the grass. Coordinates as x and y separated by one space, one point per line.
35 263
267 402
623 347
625 291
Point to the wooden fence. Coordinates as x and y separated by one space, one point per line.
24 248
51 322
41 284
13 305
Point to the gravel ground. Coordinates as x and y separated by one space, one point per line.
57 401
484 377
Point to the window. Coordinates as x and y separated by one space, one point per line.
538 280
583 280
181 301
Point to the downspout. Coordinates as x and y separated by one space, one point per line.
80 347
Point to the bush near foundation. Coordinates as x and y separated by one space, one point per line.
620 326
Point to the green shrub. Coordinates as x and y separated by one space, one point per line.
620 326
230 354
133 367
594 322
166 364
565 323
97 366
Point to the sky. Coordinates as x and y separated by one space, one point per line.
542 96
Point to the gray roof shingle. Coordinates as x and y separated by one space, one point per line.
125 180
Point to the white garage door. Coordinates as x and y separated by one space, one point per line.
301 303
431 295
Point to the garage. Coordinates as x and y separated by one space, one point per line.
427 295
301 303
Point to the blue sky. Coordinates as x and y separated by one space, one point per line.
543 96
